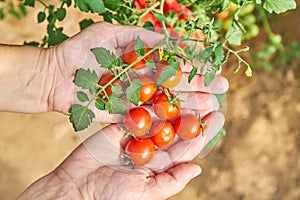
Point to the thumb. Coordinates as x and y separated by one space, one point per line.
176 178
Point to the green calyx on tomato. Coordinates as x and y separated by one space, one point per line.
166 105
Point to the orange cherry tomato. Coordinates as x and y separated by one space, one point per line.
148 89
140 150
187 126
172 81
162 133
138 121
130 56
105 79
165 109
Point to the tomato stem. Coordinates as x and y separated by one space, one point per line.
128 161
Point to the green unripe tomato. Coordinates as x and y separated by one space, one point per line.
275 39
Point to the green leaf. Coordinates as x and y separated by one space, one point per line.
149 26
117 89
115 105
12 11
61 14
22 9
104 57
95 6
220 98
93 90
218 55
192 74
234 35
83 97
2 14
139 46
150 64
81 116
208 78
85 23
215 140
56 36
167 72
279 6
68 2
99 104
159 17
41 16
133 92
206 53
113 4
33 43
85 78
29 3
107 16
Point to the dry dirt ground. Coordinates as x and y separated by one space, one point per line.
258 159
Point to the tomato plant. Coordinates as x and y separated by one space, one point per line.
162 133
173 80
133 52
140 150
148 88
166 106
138 121
188 126
105 80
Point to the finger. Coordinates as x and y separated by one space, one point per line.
198 101
103 116
105 145
174 180
160 162
127 34
219 84
186 150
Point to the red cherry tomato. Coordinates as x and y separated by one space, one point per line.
187 126
162 133
130 56
140 150
172 81
105 79
164 108
148 89
138 121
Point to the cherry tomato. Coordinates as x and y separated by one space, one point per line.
140 150
187 126
138 121
148 89
172 81
130 56
166 108
105 79
162 133
223 15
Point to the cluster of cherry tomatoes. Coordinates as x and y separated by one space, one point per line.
154 124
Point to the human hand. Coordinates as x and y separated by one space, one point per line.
75 52
95 171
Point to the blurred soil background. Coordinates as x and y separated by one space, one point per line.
258 159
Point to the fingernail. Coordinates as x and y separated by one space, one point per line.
197 173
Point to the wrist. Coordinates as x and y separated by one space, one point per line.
26 78
52 186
